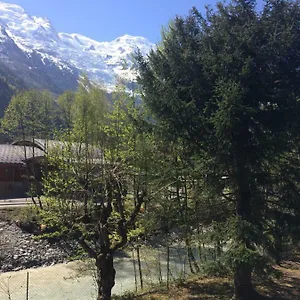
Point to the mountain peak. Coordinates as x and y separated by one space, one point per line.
44 22
11 8
101 61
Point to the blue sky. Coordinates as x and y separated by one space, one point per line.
105 20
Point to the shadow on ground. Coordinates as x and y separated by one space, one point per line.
209 288
287 287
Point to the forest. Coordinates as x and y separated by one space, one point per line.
204 151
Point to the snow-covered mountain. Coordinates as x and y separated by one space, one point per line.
30 45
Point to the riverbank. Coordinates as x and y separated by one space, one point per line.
21 250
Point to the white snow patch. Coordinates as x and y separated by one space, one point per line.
100 60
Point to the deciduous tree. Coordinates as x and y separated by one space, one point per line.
97 183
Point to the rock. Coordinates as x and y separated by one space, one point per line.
20 250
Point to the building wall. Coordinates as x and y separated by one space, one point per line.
13 181
12 172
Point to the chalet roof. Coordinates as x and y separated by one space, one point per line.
37 143
47 145
13 154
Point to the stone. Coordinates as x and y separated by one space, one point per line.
22 251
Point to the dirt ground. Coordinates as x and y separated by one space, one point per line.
287 287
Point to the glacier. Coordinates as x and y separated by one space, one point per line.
102 62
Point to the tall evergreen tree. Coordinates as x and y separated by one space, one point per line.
226 85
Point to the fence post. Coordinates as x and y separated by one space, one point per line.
140 266
134 270
27 286
168 265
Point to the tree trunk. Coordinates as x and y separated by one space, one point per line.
243 288
105 276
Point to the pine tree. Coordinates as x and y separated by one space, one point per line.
225 85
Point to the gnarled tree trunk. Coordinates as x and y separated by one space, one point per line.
105 276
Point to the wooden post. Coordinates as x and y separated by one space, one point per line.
27 287
140 266
134 269
160 280
168 265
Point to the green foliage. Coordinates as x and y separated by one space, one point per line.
9 85
96 177
29 114
215 268
224 88
88 111
65 103
29 219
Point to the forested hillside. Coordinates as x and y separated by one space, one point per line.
9 84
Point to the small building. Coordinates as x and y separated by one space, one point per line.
18 164
21 164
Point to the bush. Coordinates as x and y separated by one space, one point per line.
11 214
215 269
29 219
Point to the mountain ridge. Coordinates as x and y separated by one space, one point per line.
101 61
36 55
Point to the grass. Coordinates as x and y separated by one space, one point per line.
195 288
11 214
